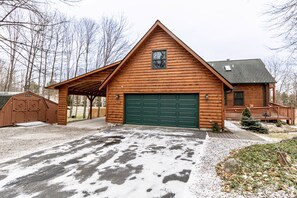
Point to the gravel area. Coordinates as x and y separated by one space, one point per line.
21 140
204 181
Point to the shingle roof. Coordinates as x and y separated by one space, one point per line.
243 71
5 96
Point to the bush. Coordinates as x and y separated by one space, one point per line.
215 127
279 123
252 125
248 121
258 128
246 113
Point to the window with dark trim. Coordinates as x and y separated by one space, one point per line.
238 98
159 59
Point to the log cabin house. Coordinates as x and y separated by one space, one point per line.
163 82
253 87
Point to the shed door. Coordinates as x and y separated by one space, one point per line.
33 109
19 109
177 110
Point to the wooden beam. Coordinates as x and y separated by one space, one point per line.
86 87
79 82
274 94
62 106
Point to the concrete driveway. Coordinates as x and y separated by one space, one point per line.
117 162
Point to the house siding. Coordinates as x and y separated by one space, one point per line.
254 95
183 74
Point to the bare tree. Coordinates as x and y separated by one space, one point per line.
90 29
79 41
28 8
33 47
3 74
114 43
14 36
284 18
284 73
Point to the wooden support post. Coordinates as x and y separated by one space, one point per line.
62 106
274 94
294 115
91 98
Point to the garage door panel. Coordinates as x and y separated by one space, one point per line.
149 110
187 114
134 120
134 111
188 96
168 114
187 122
149 105
148 113
168 96
179 110
149 96
168 123
187 105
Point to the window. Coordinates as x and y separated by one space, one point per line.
227 67
159 59
238 98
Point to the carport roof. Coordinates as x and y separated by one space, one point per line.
81 85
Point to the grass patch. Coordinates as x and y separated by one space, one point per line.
259 168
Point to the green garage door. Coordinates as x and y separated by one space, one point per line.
178 110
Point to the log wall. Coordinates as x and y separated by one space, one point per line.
183 74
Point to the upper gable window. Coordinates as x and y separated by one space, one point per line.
159 59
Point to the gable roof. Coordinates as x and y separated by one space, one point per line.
159 24
54 86
5 96
243 71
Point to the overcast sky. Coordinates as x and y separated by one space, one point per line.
215 29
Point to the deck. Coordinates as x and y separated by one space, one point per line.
272 112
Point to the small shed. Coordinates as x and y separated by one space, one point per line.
20 107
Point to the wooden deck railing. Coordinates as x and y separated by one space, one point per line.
271 112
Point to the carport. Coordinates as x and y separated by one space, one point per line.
85 85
